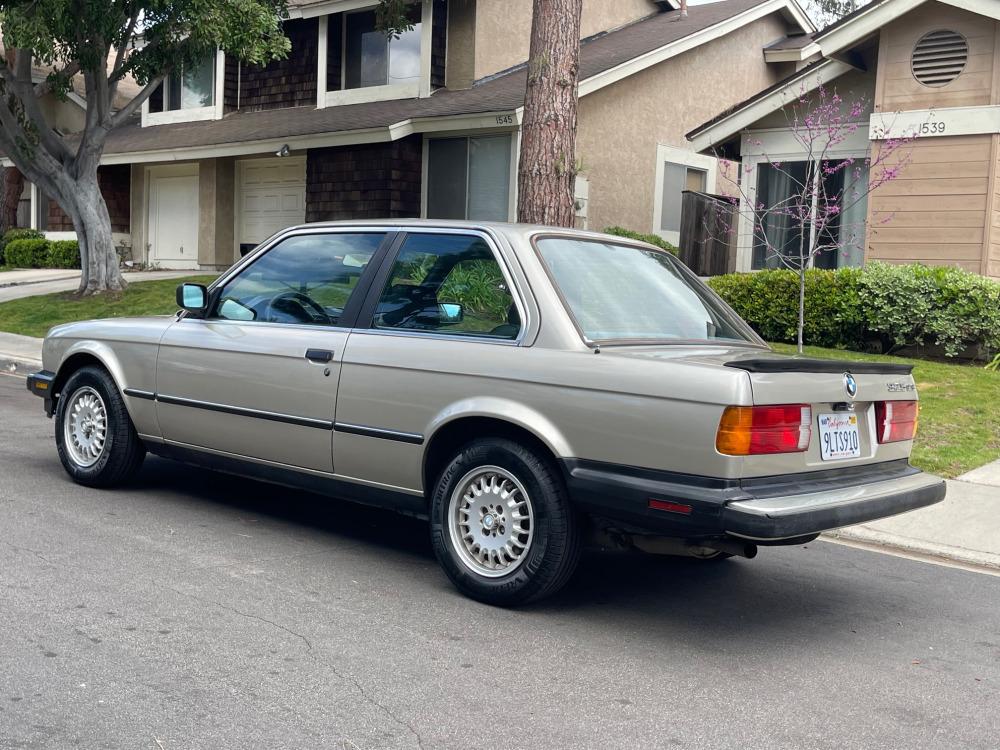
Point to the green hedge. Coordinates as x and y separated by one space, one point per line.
31 253
17 234
38 252
64 254
881 305
652 239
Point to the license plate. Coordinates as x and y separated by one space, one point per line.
838 436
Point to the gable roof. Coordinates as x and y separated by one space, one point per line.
830 42
604 59
868 19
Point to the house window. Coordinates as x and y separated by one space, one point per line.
785 191
372 58
676 179
469 178
677 170
191 87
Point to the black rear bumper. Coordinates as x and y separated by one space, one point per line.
766 510
41 384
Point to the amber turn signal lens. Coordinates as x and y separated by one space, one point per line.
755 430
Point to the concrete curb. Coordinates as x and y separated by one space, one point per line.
20 354
11 366
916 547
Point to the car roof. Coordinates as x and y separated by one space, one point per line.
522 231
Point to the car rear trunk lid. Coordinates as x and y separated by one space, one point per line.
842 396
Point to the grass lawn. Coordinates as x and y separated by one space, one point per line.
33 316
959 426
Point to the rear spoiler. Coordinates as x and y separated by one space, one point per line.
807 364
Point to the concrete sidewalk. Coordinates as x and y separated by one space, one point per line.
22 276
963 528
32 282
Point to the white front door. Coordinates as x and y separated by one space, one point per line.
272 197
173 216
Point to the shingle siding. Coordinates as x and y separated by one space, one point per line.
115 183
284 83
439 43
231 85
373 181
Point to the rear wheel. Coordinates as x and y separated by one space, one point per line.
95 438
501 524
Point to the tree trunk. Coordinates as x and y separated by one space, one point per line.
547 172
13 186
92 223
802 306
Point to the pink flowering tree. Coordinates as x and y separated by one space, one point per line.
814 213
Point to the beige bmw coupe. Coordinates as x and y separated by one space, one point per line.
526 389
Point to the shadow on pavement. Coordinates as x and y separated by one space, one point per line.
784 591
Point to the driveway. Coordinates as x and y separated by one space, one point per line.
196 610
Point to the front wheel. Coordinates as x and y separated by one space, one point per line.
501 524
95 438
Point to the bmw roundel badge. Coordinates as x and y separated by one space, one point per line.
850 385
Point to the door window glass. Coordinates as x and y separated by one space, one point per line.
305 279
448 284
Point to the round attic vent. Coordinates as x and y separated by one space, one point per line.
939 57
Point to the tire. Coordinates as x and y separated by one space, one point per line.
90 461
542 533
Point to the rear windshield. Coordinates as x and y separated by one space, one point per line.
623 293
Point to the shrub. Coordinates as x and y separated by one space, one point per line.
769 301
27 253
17 234
916 305
652 239
64 254
911 305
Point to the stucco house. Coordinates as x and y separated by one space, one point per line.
927 70
354 126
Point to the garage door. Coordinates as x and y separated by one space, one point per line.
272 197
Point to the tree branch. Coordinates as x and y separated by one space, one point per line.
45 87
130 109
19 81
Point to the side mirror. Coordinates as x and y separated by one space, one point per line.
450 313
193 298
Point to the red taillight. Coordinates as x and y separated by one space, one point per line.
754 430
896 420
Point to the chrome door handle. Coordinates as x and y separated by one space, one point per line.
319 355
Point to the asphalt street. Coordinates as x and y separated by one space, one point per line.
195 610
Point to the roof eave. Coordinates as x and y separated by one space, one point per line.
799 54
867 21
